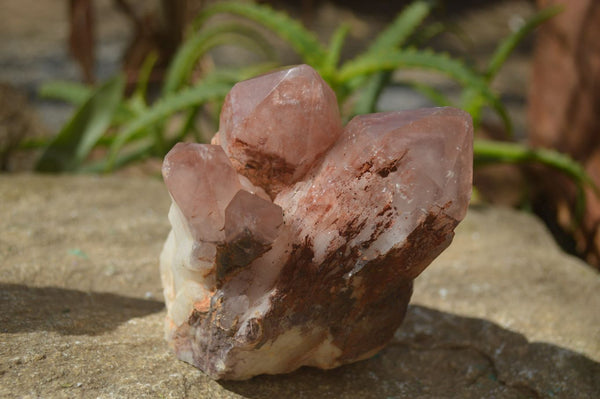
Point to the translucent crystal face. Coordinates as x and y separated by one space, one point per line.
294 241
275 127
248 213
202 183
385 173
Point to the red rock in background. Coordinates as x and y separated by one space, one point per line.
564 113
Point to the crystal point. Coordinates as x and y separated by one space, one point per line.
251 226
276 126
202 182
318 231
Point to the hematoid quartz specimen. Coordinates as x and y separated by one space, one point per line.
295 240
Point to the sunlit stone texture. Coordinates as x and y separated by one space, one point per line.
268 269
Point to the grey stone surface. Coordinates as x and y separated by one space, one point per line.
502 313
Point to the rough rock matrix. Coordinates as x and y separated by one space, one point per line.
295 240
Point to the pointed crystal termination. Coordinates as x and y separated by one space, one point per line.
322 274
202 182
276 126
251 226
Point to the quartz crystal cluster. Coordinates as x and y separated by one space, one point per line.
295 240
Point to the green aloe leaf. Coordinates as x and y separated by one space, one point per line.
472 100
71 146
507 45
303 41
411 58
353 70
393 37
144 76
162 109
489 151
366 102
70 92
232 75
76 94
333 54
202 41
405 24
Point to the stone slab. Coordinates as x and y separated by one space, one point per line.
502 313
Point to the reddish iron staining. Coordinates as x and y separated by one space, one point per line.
365 211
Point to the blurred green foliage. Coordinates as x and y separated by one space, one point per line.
126 129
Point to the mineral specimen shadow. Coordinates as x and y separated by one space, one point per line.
443 355
68 312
